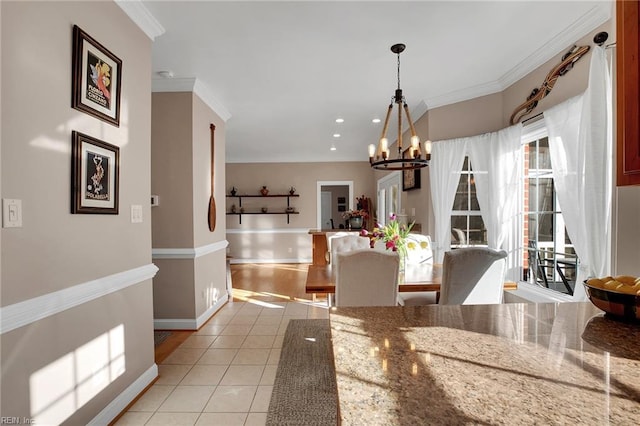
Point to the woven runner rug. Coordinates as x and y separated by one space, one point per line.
305 390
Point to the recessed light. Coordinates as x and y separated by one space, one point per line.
165 74
336 135
333 147
375 120
339 120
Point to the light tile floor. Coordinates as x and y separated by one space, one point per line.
223 374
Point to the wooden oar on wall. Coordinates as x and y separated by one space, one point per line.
212 200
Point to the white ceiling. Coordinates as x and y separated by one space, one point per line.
284 71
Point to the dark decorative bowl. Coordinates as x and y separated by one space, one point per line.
621 305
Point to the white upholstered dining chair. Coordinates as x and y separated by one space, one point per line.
367 278
344 244
473 276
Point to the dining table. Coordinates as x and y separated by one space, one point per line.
504 364
425 276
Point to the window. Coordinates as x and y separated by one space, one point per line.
467 226
549 259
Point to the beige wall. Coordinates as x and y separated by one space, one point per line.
184 289
55 250
172 169
265 237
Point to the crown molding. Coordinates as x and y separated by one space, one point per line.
464 94
142 17
191 85
595 17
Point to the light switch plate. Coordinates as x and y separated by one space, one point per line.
11 213
136 213
155 200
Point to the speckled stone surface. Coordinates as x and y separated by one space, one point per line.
487 364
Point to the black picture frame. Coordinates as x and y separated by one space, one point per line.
342 200
410 178
342 207
95 168
95 79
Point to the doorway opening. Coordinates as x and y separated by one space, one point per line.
388 196
333 198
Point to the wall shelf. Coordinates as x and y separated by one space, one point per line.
240 197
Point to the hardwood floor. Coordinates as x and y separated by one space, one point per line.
270 282
281 282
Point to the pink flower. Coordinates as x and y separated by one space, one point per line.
390 245
392 216
364 233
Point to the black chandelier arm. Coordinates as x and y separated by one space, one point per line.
399 164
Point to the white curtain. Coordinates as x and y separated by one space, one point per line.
580 146
497 168
447 158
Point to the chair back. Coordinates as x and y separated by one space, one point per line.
367 278
345 244
473 276
419 249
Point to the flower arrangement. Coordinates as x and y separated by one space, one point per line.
393 234
355 213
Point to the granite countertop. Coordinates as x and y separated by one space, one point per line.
556 363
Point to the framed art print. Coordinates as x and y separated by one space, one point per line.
94 175
96 78
410 178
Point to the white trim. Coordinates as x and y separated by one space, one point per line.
115 407
141 16
32 310
534 294
190 324
269 231
188 253
464 94
595 17
534 131
598 15
258 260
319 185
191 85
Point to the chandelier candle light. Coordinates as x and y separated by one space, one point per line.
380 158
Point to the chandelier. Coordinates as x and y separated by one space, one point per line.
414 158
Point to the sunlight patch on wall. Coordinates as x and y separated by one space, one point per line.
59 389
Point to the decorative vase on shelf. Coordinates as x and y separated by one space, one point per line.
233 190
292 191
355 222
263 210
233 208
264 191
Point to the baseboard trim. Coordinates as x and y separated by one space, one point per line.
32 310
188 323
290 260
188 253
269 231
115 407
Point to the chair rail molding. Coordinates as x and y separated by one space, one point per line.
188 253
37 308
